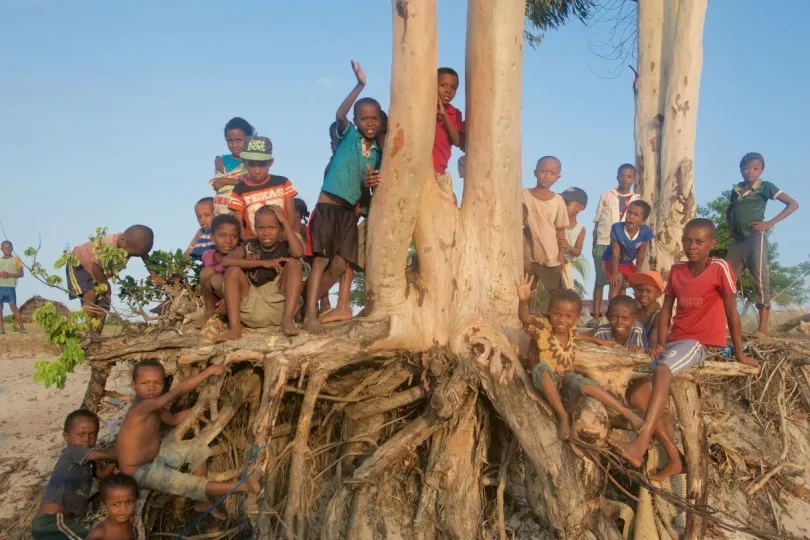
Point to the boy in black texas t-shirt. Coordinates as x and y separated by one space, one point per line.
264 278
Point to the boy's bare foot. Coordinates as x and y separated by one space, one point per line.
563 429
228 336
671 468
288 327
311 324
632 451
215 512
336 315
199 323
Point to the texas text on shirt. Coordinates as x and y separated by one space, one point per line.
248 197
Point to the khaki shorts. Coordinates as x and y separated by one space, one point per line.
163 473
571 386
263 306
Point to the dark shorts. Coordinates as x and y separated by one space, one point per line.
332 231
57 527
79 281
8 295
550 276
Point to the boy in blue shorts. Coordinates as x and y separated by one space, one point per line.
707 300
11 269
332 237
628 246
745 217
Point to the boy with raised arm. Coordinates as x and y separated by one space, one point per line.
553 337
332 236
706 296
155 465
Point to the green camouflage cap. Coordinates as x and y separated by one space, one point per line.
257 149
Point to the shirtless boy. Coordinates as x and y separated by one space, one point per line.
153 464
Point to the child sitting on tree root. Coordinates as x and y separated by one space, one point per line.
706 298
154 464
264 278
553 336
623 329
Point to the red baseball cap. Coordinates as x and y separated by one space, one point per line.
646 278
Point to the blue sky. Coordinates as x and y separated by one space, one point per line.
112 112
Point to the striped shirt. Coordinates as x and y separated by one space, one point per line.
634 337
202 242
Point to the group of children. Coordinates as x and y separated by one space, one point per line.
265 258
700 292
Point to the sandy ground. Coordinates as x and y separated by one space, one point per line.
31 419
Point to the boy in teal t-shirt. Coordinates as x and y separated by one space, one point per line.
11 269
745 217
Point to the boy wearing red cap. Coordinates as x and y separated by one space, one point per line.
647 289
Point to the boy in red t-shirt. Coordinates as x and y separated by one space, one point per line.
706 295
449 128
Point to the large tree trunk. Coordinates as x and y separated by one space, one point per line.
650 79
677 193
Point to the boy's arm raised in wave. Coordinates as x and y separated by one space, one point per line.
524 292
790 206
148 406
342 115
735 330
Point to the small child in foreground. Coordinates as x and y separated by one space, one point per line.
204 210
623 329
64 501
154 464
11 269
82 280
332 236
553 337
546 217
229 168
647 288
225 235
264 278
745 217
118 495
629 241
575 202
706 297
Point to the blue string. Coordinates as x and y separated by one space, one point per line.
252 456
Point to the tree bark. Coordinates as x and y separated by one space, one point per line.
677 190
651 78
